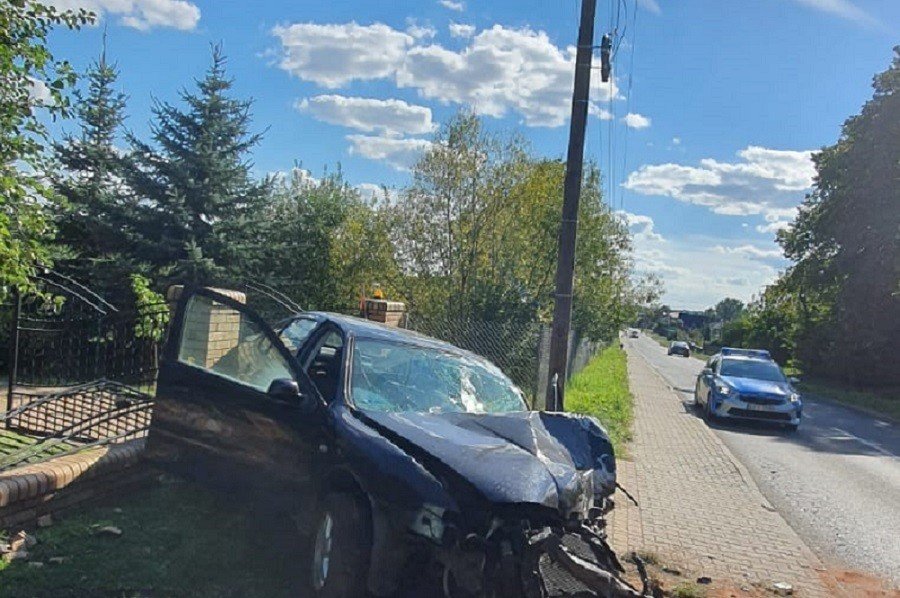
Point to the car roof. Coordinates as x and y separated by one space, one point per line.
362 328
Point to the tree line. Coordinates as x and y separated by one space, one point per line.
835 312
473 235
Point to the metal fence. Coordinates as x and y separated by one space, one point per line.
57 347
98 413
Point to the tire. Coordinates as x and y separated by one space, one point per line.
708 415
792 428
341 547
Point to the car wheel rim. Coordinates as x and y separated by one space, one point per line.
322 552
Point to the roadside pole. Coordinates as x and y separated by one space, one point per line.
13 362
565 269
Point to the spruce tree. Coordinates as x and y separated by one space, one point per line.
94 221
200 208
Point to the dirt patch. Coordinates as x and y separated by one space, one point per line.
858 585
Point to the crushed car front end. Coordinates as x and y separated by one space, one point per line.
512 490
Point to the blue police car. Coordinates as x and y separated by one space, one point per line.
747 384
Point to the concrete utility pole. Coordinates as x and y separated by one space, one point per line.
565 269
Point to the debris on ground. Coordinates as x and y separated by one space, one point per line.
783 589
57 560
45 520
671 570
109 530
21 541
36 564
704 580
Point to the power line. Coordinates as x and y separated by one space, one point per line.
629 99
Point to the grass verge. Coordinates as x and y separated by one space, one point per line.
177 540
881 402
601 390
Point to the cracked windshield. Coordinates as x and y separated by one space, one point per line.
450 298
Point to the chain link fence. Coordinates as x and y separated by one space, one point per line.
520 349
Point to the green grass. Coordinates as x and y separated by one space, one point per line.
177 540
601 390
884 402
688 590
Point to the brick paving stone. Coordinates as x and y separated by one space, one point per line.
699 508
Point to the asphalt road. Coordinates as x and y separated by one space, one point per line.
836 481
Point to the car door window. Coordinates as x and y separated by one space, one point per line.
225 341
295 333
324 367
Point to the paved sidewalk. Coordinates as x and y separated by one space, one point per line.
699 508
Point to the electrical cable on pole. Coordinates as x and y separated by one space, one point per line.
568 227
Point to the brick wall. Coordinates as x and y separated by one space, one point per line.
210 329
64 483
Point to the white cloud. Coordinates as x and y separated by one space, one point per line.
419 31
461 29
764 181
676 140
750 251
141 14
501 70
401 154
333 55
843 9
636 121
452 5
695 271
299 176
390 117
641 226
777 219
39 92
377 193
601 113
651 5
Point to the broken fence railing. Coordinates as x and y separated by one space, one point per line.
70 420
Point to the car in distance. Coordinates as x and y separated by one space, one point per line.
394 451
679 348
633 333
747 384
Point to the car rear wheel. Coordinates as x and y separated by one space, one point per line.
341 546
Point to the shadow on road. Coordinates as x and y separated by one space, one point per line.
811 436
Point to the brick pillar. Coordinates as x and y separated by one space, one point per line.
210 329
387 312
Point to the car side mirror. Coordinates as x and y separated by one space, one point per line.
707 372
286 390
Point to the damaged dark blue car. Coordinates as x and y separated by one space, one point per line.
405 459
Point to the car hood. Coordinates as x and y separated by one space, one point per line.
556 460
753 385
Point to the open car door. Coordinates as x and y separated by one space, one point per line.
233 407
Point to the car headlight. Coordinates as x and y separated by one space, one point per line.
429 522
723 389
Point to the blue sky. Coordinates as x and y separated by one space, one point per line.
704 137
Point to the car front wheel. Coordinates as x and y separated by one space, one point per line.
708 414
341 546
